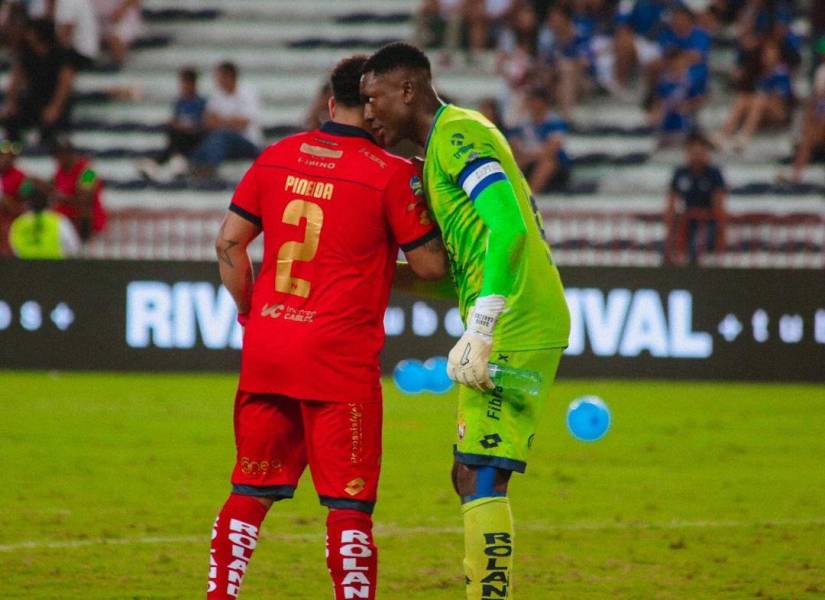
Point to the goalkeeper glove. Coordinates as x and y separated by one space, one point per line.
467 361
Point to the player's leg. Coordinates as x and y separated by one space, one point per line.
495 431
270 459
344 452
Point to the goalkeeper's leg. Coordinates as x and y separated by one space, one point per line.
488 530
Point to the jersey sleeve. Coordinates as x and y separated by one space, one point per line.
406 209
246 202
468 157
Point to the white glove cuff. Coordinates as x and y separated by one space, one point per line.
484 315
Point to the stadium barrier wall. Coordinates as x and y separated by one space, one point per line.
626 321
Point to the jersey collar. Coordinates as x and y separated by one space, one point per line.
340 129
432 127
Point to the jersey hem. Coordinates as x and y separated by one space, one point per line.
430 235
245 214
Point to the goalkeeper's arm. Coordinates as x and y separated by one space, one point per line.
496 203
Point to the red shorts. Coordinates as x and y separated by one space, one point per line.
277 437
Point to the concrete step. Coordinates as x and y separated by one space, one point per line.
287 9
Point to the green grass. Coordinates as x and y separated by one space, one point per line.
699 491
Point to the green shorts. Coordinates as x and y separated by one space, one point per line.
497 428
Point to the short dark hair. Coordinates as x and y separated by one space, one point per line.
229 68
345 80
397 55
188 74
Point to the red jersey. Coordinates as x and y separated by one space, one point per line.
11 205
67 182
10 182
334 208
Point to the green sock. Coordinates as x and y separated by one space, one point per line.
488 548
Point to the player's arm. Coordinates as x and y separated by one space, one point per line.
493 197
405 207
241 225
237 273
429 260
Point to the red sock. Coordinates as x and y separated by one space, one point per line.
352 557
234 538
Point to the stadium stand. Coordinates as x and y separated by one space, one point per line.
610 213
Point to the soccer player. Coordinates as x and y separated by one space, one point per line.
509 290
334 209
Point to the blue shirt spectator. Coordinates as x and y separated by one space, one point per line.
777 82
189 111
644 18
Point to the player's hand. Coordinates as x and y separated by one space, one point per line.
467 361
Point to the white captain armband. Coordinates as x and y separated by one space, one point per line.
479 175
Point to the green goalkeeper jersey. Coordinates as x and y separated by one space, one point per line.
464 154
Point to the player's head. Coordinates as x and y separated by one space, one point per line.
697 149
226 76
9 151
396 82
345 104
188 81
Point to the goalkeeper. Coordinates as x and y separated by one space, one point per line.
510 294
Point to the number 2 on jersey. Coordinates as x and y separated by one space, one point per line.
303 251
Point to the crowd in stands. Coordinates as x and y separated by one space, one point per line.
656 51
552 56
202 133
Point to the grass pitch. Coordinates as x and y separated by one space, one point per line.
110 484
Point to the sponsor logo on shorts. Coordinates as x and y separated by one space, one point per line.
495 402
262 467
356 486
491 440
356 428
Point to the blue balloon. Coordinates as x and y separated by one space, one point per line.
437 380
410 376
588 418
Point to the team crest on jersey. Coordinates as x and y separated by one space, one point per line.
462 429
416 185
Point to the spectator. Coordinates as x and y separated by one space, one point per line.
636 37
682 33
675 99
516 61
77 31
11 201
77 190
232 120
121 22
813 122
770 105
40 86
695 213
484 18
440 23
538 145
183 133
42 233
569 57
